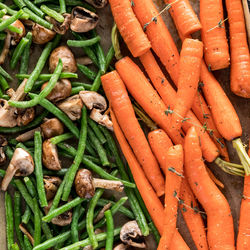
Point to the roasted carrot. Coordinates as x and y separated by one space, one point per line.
178 243
240 58
224 114
189 75
159 36
129 27
243 239
168 95
220 232
214 179
184 16
119 100
146 96
174 160
213 34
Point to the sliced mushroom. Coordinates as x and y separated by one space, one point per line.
27 233
21 164
52 127
85 184
3 142
25 116
27 135
101 119
61 91
83 20
50 156
51 184
10 92
60 28
92 99
72 107
84 60
97 3
67 57
131 235
41 35
120 247
101 213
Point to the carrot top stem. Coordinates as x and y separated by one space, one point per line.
115 42
241 151
219 25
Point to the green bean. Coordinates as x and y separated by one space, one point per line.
37 223
62 6
17 217
92 166
56 40
9 220
2 36
2 174
76 90
54 7
90 149
154 231
5 23
12 12
57 16
46 77
33 8
5 74
4 84
63 209
15 247
110 230
19 3
3 12
30 226
93 159
60 138
27 243
24 64
59 114
29 185
38 68
97 131
29 143
60 172
26 216
14 29
80 3
38 169
87 50
78 157
90 74
83 43
31 125
46 91
90 218
74 224
81 84
9 152
21 145
99 148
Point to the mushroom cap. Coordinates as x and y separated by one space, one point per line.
50 156
97 3
72 107
92 99
61 91
52 127
8 114
51 184
83 20
60 28
67 57
101 119
130 234
41 35
25 116
83 184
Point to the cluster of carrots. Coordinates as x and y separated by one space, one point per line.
193 121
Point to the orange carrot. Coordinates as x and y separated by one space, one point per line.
220 230
160 143
184 16
168 95
240 58
214 179
174 160
146 96
129 27
159 36
118 97
224 114
213 34
178 243
189 75
243 240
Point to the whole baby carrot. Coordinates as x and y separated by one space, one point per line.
129 27
119 100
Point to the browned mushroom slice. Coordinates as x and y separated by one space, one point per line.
25 116
72 107
85 184
67 57
101 119
97 3
3 142
120 247
131 235
51 184
60 28
50 156
41 35
84 60
27 135
92 99
52 127
61 91
21 164
83 20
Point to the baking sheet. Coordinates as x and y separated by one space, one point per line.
233 184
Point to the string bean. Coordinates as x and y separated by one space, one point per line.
110 230
9 220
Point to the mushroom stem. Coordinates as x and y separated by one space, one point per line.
10 172
107 184
101 213
27 135
26 232
6 48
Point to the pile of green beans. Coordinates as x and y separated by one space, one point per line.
83 142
